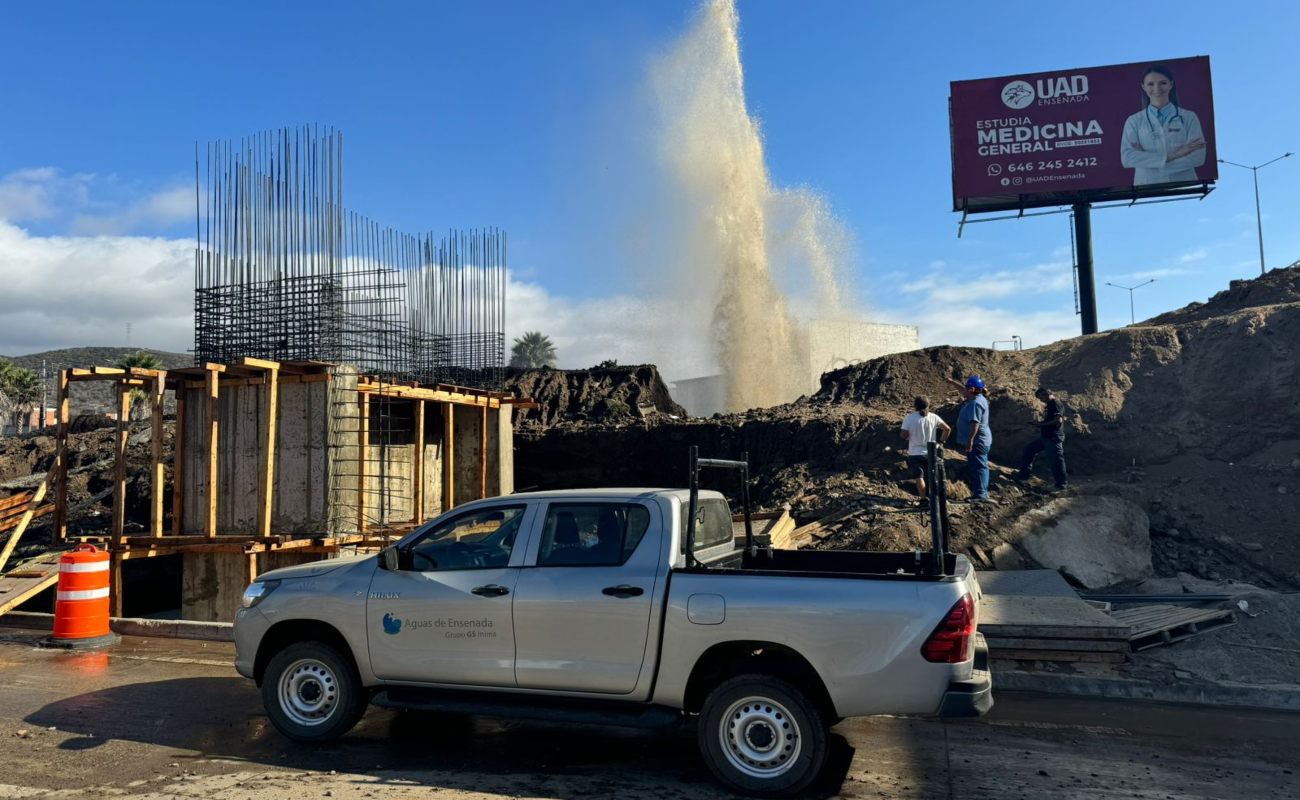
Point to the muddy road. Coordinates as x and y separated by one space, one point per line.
161 718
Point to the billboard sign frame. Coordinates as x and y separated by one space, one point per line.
1014 130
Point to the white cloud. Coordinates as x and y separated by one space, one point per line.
631 330
1195 255
949 308
70 291
1040 279
161 209
1153 274
38 193
977 326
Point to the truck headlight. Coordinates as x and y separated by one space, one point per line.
257 591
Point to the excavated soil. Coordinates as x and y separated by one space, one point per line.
597 394
1192 416
25 460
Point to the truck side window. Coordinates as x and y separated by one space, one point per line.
591 534
476 540
712 524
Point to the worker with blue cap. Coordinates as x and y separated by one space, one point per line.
975 436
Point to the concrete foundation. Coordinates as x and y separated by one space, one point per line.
318 458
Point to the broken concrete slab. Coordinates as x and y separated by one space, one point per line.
1099 541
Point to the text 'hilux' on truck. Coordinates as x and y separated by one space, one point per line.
623 607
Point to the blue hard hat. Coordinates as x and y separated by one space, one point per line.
974 382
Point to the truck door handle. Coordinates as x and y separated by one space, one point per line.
491 590
623 591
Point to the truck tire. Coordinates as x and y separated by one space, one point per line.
762 736
312 692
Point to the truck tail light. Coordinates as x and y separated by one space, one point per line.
951 642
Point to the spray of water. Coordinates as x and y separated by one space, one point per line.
760 252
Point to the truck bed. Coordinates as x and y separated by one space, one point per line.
842 563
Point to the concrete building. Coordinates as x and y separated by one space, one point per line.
831 345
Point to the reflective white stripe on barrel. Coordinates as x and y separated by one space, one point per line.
84 594
85 566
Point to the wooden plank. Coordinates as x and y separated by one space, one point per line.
20 499
322 377
107 371
448 457
59 534
1058 655
1089 645
266 476
482 455
156 467
119 461
115 601
32 505
210 511
178 464
1184 631
10 519
417 467
209 367
363 444
258 363
33 578
1047 617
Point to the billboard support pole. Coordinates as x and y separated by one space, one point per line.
1087 284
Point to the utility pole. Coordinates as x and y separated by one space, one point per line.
1259 220
1132 318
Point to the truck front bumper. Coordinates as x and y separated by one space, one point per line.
973 697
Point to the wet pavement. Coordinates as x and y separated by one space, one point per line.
170 718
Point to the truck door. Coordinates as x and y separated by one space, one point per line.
445 616
582 612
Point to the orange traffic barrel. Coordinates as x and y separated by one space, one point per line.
81 605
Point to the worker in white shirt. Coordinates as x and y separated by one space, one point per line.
919 429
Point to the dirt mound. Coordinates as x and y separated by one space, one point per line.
608 394
1194 420
1274 288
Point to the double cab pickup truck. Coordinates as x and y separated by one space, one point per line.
633 607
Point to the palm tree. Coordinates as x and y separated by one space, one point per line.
22 386
138 360
532 351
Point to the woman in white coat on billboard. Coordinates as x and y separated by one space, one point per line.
1163 142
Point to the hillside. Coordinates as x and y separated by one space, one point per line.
91 398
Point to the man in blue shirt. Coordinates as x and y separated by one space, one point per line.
975 436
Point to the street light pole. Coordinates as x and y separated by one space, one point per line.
1132 317
1259 219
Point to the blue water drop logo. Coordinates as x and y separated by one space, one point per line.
392 624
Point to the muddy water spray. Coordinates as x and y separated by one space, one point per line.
745 231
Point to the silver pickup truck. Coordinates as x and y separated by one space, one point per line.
622 607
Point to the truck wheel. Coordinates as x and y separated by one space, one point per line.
762 736
312 692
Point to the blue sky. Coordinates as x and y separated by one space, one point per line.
534 117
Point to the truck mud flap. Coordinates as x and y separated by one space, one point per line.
571 711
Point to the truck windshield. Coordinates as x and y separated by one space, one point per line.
478 539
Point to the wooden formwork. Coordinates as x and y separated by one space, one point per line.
219 565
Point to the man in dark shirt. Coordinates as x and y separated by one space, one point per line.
1051 437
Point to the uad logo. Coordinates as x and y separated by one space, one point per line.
1019 94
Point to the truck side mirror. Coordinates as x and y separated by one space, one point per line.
391 559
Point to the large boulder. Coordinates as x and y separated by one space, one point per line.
1098 541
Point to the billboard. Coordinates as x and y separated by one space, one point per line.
1101 133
